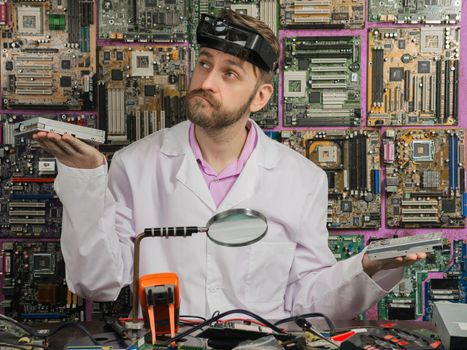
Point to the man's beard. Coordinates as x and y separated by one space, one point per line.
217 117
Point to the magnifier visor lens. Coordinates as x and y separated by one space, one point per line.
237 228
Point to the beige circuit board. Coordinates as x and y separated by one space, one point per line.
141 89
413 76
425 177
322 13
351 160
48 55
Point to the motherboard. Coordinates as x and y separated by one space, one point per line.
48 55
321 80
425 177
413 76
351 161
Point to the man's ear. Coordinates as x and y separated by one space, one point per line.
262 97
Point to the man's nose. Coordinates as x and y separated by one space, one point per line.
209 82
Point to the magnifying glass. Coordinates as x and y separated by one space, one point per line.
232 228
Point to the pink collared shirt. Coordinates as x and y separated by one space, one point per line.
220 184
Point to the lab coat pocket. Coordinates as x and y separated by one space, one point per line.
268 271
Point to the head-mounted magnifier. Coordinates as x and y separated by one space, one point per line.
218 33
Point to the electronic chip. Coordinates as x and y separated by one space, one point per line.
303 64
66 64
65 81
423 67
346 206
401 44
119 55
106 55
149 90
448 206
396 74
422 151
9 65
431 179
117 74
315 97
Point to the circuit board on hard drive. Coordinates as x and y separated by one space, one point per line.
413 76
321 81
425 177
351 160
48 55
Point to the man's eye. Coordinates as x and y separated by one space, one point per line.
231 74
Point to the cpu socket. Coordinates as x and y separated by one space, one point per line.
29 20
142 64
422 151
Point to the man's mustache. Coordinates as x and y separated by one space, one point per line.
206 95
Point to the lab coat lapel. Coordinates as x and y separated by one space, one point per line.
176 145
190 175
245 186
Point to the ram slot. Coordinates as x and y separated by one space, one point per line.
455 166
86 12
134 13
397 100
102 106
131 127
451 156
447 86
432 101
153 122
352 164
146 131
424 93
362 154
138 125
462 180
414 106
455 90
406 85
438 91
73 22
377 76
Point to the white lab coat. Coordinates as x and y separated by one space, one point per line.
156 182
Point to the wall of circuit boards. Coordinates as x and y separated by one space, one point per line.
371 91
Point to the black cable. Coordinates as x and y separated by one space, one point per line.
221 315
195 317
27 329
23 346
330 324
73 324
32 332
